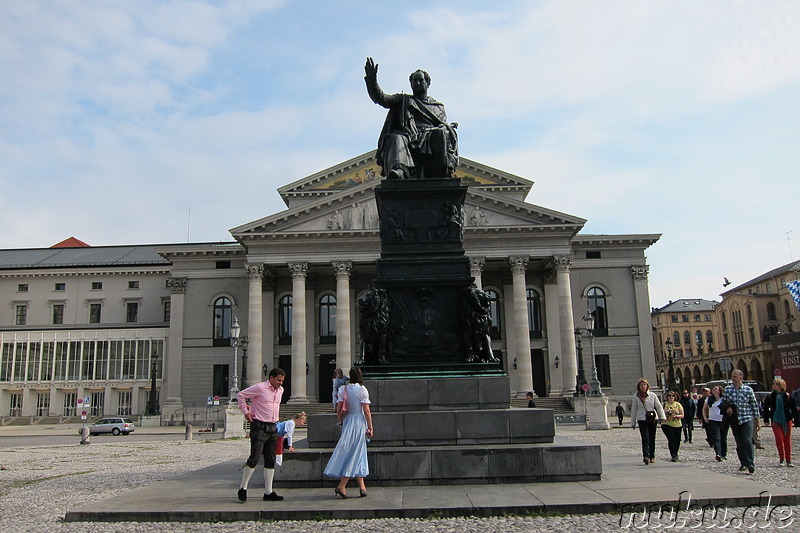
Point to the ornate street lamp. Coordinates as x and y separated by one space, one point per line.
235 330
152 403
594 383
671 372
580 379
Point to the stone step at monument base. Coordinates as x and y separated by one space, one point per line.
419 366
562 461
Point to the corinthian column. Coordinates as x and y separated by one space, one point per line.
344 348
476 269
255 335
174 356
299 271
520 325
642 295
569 360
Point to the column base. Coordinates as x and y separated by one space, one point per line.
596 413
300 399
234 423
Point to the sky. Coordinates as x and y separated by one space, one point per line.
148 122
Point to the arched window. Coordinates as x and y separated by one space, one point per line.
772 313
597 306
676 338
223 319
698 337
710 340
285 320
494 314
749 314
687 338
327 319
534 314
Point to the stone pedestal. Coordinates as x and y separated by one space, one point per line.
234 422
150 421
596 412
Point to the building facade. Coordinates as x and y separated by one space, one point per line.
292 280
738 329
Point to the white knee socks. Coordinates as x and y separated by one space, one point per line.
269 474
247 473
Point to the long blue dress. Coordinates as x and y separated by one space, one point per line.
349 458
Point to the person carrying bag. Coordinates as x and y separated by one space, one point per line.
646 411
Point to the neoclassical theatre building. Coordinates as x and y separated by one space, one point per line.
292 281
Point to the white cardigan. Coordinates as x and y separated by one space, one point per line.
639 410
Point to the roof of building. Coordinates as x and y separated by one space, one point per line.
72 242
793 266
87 256
687 305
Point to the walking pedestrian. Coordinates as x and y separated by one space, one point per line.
716 431
646 411
747 417
781 411
689 410
672 426
620 411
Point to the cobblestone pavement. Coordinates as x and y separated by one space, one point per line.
39 484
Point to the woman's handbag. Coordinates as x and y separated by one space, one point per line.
650 417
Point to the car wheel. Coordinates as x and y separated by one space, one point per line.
115 431
126 433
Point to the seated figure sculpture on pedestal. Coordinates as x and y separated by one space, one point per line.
416 140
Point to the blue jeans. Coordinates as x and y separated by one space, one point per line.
743 433
718 435
648 433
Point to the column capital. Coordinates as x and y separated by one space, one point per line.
298 270
254 272
518 264
476 264
562 263
342 269
640 272
176 285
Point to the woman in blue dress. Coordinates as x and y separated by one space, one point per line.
349 458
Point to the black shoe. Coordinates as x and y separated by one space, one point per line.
742 468
719 458
751 469
273 497
242 494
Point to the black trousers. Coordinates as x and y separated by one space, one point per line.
263 440
673 435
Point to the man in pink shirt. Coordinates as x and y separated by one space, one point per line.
262 413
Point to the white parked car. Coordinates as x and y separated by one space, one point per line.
112 425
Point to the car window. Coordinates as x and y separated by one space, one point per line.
126 421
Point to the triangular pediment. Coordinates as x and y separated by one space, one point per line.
364 169
353 211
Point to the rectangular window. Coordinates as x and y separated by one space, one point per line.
70 404
115 360
223 264
20 361
6 361
87 369
74 361
593 254
60 362
697 318
708 318
142 360
21 315
58 313
101 360
133 284
97 285
94 313
684 318
132 312
125 400
674 318
34 355
167 310
22 287
603 369
47 361
60 287
128 359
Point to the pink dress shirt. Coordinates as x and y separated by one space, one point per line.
265 401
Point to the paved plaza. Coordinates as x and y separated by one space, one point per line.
41 485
